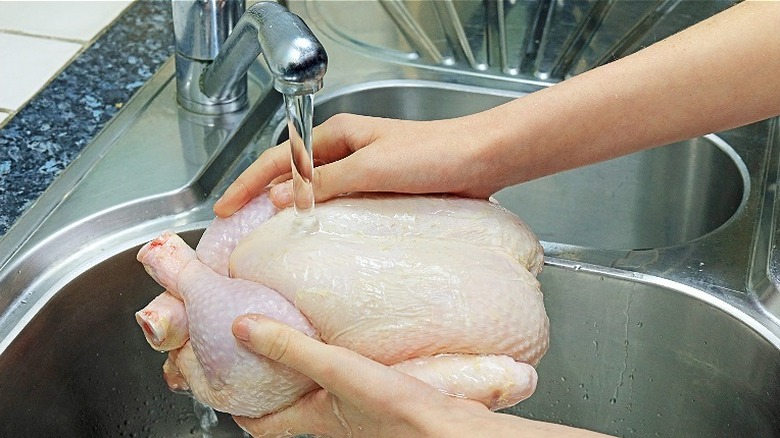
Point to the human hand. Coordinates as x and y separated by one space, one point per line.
369 154
360 397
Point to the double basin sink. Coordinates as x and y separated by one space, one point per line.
658 276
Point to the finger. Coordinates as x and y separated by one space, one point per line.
282 178
311 414
341 135
336 138
351 174
272 163
341 371
327 183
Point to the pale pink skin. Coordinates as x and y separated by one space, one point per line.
223 234
218 369
497 381
220 372
164 319
164 322
399 277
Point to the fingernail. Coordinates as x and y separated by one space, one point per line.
242 328
281 194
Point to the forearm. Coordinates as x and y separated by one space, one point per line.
717 75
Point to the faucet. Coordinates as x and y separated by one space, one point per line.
217 42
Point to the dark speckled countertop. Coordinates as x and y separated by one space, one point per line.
39 142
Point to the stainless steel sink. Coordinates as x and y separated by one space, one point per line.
642 357
659 278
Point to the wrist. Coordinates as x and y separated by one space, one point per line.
505 144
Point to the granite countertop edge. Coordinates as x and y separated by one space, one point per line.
52 129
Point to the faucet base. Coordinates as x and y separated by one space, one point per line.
190 96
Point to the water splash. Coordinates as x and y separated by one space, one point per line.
206 416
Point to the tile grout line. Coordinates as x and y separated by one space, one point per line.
43 37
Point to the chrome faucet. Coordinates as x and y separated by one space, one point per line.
217 42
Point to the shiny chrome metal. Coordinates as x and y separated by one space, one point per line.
534 39
578 39
535 33
664 321
200 29
638 356
453 27
217 84
637 32
293 54
765 277
408 24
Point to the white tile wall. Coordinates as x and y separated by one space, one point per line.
75 20
39 38
28 64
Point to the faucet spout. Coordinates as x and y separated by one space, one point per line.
211 66
294 56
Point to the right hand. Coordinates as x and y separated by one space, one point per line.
368 154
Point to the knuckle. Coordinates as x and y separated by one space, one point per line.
278 345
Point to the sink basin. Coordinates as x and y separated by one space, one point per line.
627 357
651 199
643 358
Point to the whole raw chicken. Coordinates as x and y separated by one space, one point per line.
441 288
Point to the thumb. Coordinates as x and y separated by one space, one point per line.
340 371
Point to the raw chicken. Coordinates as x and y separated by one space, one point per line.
441 288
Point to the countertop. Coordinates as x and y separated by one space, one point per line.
48 133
